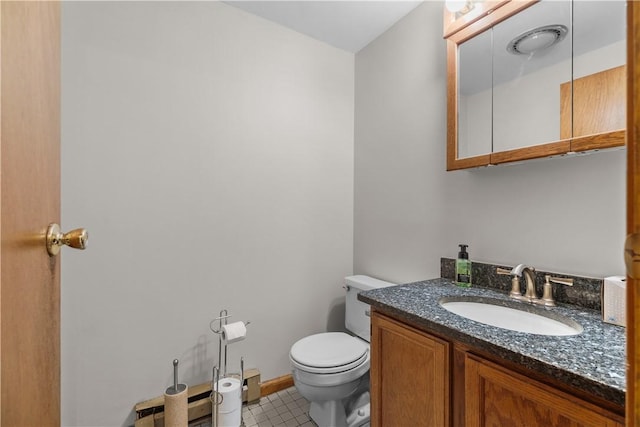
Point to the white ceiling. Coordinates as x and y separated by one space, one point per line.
345 24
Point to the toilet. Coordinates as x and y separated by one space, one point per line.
331 369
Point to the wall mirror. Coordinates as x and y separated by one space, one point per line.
535 79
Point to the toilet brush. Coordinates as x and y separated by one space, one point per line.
176 408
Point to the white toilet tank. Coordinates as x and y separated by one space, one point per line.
357 314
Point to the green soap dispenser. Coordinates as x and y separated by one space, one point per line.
463 268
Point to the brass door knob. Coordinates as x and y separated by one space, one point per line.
76 239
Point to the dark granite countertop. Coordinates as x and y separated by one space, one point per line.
593 361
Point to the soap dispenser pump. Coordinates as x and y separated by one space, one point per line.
463 268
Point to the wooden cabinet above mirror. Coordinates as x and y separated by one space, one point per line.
532 79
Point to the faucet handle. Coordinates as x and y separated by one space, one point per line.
515 283
560 280
547 293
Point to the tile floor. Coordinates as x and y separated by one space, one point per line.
285 408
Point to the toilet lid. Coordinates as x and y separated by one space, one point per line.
328 351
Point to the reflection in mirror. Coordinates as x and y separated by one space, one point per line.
531 59
599 88
459 7
474 96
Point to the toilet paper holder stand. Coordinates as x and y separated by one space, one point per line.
216 398
222 320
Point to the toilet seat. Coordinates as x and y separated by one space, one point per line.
329 353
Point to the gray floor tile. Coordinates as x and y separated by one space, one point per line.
285 408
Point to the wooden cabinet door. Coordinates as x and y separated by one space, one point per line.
409 376
30 200
497 397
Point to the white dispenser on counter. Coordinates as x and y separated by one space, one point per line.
614 300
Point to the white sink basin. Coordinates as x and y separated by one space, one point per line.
511 315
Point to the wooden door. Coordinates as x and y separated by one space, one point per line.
497 397
411 370
633 213
30 200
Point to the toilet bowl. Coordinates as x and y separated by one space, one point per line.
328 369
331 369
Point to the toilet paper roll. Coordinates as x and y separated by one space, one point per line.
233 332
176 407
229 419
231 395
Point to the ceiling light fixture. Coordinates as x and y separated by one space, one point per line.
537 39
459 6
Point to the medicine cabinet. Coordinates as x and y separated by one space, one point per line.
532 79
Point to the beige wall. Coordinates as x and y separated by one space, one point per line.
563 215
210 155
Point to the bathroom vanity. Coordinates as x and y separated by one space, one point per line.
430 367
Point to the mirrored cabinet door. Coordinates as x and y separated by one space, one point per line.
531 59
475 96
594 102
536 79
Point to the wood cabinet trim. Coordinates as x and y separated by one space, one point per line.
600 141
458 408
532 152
469 162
